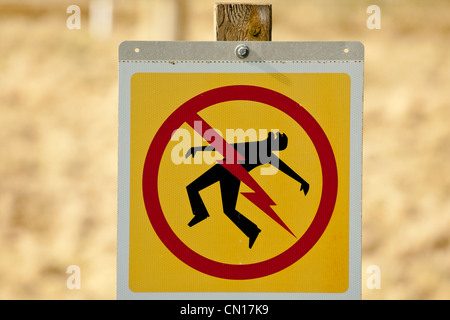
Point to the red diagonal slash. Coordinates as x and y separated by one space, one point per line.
259 197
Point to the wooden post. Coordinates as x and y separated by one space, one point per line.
243 22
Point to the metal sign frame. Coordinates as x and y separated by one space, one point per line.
223 57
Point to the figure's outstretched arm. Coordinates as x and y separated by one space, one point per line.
239 147
278 163
193 150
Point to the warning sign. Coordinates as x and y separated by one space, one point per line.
239 179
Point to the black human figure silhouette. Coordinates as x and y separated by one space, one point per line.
256 153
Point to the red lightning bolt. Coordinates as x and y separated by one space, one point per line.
259 197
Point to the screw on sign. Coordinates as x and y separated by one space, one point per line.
242 51
231 174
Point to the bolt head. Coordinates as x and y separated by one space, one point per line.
242 51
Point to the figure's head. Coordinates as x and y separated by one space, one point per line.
278 141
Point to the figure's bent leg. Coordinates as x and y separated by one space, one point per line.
205 180
229 187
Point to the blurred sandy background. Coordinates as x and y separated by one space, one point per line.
58 136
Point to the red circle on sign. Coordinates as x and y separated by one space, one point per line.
302 245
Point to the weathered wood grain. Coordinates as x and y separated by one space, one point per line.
243 22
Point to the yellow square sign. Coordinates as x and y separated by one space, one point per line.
239 180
